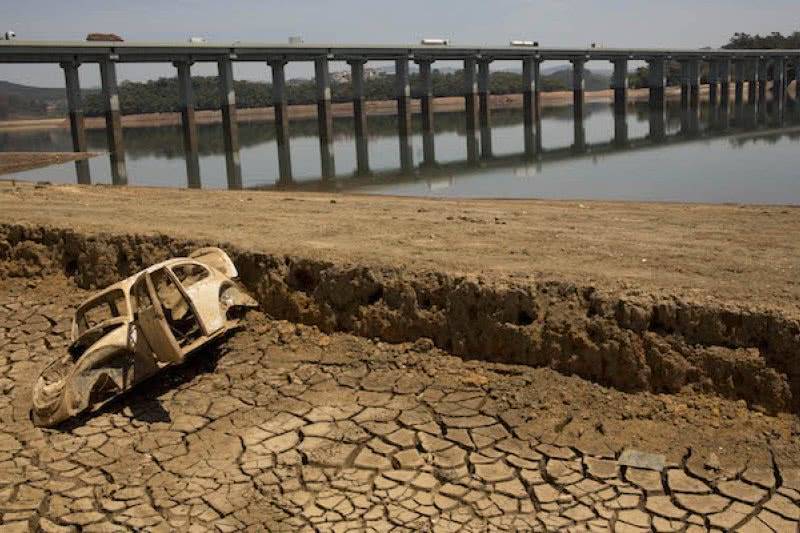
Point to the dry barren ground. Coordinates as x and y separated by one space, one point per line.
283 427
362 419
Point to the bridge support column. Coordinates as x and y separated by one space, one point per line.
690 83
471 105
531 74
403 91
619 83
359 115
280 106
188 124
426 104
724 80
713 82
740 75
578 83
752 80
76 120
578 87
230 127
657 81
762 75
324 117
797 78
116 147
779 78
484 93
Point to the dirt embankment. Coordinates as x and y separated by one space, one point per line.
632 343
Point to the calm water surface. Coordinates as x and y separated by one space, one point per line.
748 154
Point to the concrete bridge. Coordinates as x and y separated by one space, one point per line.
743 69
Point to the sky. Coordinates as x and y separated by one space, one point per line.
575 23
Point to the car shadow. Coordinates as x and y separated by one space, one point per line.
142 403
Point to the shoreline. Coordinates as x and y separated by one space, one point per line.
340 109
24 161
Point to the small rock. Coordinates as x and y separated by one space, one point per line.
639 459
712 463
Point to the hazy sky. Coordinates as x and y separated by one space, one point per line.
624 23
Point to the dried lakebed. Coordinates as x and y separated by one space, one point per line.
286 426
282 427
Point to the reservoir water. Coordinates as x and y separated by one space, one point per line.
739 154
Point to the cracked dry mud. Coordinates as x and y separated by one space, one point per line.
281 427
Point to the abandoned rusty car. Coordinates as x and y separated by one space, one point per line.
134 328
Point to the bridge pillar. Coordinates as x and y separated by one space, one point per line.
359 115
578 83
426 104
619 83
690 82
76 120
531 73
324 117
230 127
724 80
797 78
713 82
484 93
752 80
116 147
763 78
403 92
280 106
188 124
471 101
657 81
779 78
740 76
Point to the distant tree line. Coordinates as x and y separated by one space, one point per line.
17 106
161 95
739 41
774 40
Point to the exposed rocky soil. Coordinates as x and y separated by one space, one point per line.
284 427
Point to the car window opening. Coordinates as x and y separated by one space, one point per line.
106 307
189 273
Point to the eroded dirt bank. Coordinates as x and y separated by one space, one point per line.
635 343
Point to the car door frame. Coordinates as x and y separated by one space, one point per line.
157 324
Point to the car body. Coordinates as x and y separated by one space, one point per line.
134 328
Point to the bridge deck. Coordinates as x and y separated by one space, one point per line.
92 51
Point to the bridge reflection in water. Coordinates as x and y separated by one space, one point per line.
674 125
501 144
